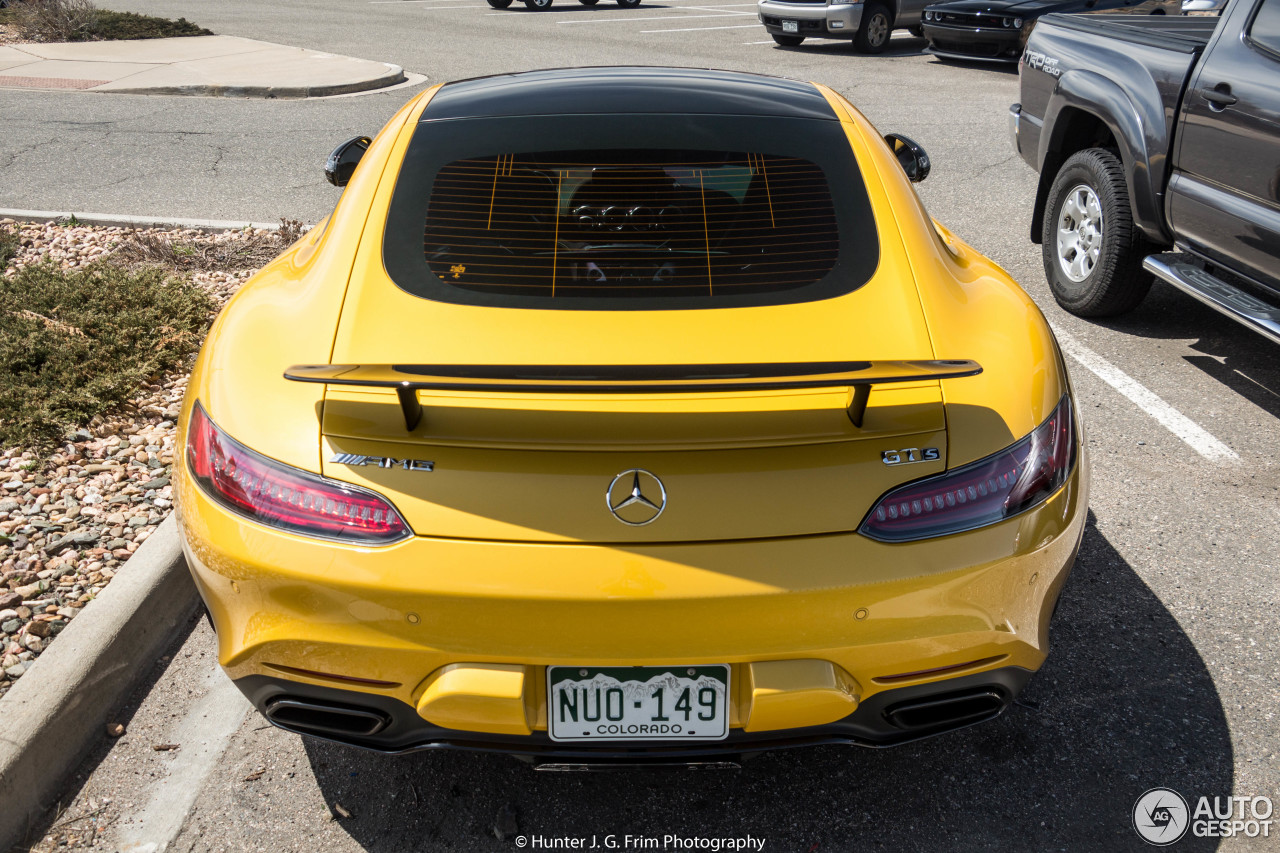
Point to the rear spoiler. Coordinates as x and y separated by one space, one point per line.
409 379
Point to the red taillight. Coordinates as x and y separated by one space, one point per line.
279 496
987 491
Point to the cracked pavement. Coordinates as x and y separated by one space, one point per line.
147 155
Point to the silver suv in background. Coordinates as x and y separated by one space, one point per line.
867 23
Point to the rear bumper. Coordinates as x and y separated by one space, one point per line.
890 718
376 627
816 20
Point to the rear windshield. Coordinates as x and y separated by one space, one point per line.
620 226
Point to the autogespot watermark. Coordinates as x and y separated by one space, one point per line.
639 842
1162 816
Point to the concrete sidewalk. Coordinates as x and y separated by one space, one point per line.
220 66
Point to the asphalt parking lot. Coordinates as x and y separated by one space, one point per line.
1164 667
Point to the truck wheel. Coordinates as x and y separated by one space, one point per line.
499 4
1092 250
628 4
873 33
588 2
788 41
537 5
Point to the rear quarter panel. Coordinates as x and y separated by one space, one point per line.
287 314
974 310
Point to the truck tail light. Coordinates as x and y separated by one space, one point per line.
277 495
981 493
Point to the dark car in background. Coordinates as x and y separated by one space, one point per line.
997 30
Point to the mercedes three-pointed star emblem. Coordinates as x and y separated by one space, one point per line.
636 497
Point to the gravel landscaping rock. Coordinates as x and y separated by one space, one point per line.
70 520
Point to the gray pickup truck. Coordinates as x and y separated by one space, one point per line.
1158 146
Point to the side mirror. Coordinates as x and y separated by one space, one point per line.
914 160
342 162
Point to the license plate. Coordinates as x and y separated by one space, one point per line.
638 703
791 26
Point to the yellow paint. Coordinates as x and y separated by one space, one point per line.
789 694
517 564
477 698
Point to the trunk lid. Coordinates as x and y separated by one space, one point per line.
557 467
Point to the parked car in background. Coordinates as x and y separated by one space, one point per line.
996 30
1157 143
1189 6
544 5
868 23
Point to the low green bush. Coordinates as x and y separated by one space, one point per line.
127 25
8 245
81 20
74 345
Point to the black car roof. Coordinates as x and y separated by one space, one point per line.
591 91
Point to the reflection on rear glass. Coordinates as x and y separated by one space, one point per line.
630 224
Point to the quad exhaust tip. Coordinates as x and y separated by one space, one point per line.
316 718
949 710
932 714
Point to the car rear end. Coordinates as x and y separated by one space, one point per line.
584 487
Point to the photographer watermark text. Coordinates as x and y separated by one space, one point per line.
639 842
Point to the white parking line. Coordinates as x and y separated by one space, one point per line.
659 18
769 41
1170 418
691 29
203 735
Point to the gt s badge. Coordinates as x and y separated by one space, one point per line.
910 454
357 460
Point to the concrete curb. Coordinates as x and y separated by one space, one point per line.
393 77
209 66
56 713
125 221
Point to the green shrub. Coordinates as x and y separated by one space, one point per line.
78 344
8 245
127 25
80 20
55 20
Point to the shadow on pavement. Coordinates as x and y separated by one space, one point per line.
1241 360
155 670
1123 704
901 44
1007 68
573 6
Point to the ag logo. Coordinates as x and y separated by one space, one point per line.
1160 816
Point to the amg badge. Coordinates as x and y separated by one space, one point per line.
909 454
383 462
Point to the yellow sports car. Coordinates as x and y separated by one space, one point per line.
630 415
